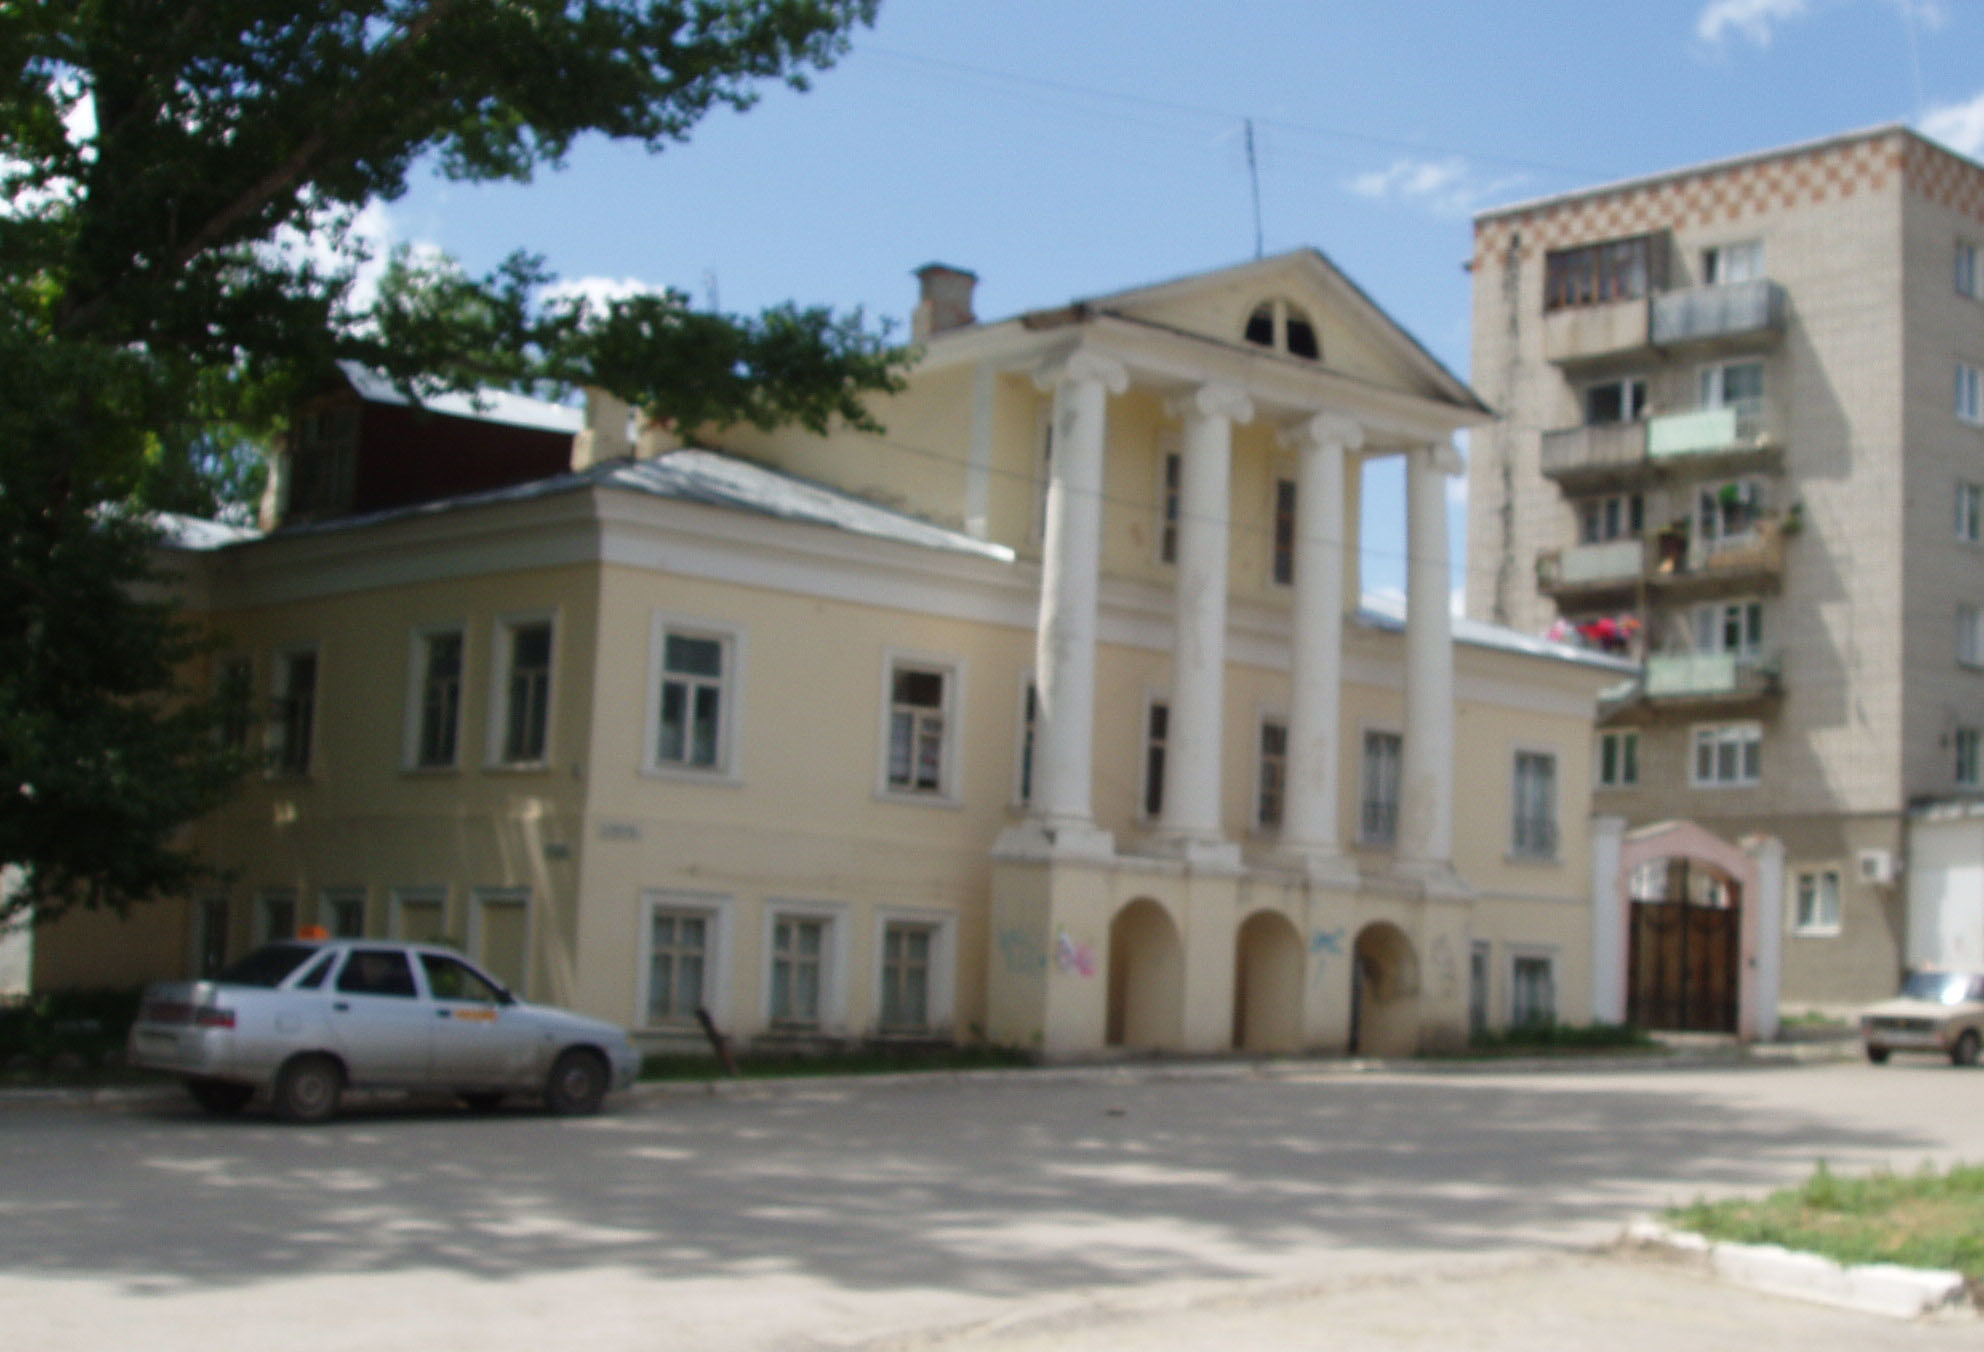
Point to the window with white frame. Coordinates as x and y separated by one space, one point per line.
1970 635
1969 393
800 957
1726 511
1968 282
1727 754
1967 742
1619 400
1532 988
1172 465
437 698
1727 264
1023 759
1618 759
1377 818
341 911
695 683
1731 384
1732 627
679 943
1284 327
908 952
1613 516
275 914
1283 568
920 728
1271 780
1969 511
1533 817
1157 729
523 691
1817 902
293 729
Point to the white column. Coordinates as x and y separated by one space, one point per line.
1190 822
1426 791
1309 832
1064 655
1766 912
1608 921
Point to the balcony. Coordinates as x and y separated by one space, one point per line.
1741 436
1739 316
1599 455
1722 684
1701 568
1591 576
1585 333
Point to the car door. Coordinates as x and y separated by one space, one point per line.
480 1036
383 1027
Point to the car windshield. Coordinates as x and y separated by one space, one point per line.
266 966
1945 988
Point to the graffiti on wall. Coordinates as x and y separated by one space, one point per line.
1072 958
1324 945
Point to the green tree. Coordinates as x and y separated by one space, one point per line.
162 163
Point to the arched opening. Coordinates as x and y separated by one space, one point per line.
1146 978
1267 985
1384 992
1684 947
1283 326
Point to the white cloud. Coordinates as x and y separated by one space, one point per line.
1753 19
1960 126
600 291
1446 187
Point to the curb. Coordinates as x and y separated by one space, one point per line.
1877 1288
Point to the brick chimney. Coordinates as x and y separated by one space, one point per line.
945 302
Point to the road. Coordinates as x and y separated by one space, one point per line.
1008 1212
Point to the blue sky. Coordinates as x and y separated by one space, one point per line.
1065 148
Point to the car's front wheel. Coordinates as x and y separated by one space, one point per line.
308 1088
222 1098
577 1083
1878 1055
1965 1051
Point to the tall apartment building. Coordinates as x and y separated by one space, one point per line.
1742 438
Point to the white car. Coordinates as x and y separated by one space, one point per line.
1937 1011
305 1020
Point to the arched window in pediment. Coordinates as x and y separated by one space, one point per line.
1282 326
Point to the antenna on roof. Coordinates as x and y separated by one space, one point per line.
1254 177
709 290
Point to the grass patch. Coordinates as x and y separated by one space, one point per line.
1544 1039
879 1060
1928 1219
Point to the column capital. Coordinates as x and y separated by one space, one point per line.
1082 364
1214 399
1325 429
1441 456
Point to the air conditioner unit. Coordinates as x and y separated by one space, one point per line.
1878 866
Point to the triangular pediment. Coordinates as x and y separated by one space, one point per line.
1356 337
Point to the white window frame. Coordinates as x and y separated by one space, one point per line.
1743 256
1632 392
420 896
1969 511
1712 382
419 651
1969 635
833 965
1263 719
277 727
730 685
501 658
1516 955
1364 734
1969 393
1532 851
480 897
951 750
1605 517
717 911
266 899
1625 774
940 996
1154 699
1741 734
1967 279
1714 518
1711 621
1813 922
1026 707
1968 744
329 899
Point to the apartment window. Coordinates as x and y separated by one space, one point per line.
1029 715
1618 759
1284 327
1284 532
693 699
295 711
1970 635
678 962
1969 511
1598 274
919 729
275 914
1157 727
1532 989
1969 393
438 698
1533 831
1727 264
906 964
1727 754
1817 903
799 958
1968 741
1732 384
1615 401
1271 783
1378 811
1733 627
1617 516
1167 533
234 686
525 683
1727 510
341 911
1967 279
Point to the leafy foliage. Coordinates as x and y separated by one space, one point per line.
181 181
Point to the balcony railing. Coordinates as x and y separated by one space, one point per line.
1614 563
1594 452
1735 314
1587 332
1709 676
1745 425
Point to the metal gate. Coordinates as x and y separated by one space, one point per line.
1682 960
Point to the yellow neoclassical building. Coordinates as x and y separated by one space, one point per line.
1049 717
